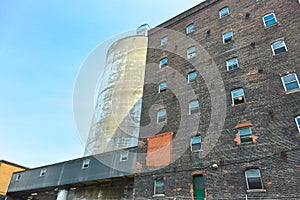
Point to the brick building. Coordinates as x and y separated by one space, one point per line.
220 114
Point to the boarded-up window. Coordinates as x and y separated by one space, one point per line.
159 152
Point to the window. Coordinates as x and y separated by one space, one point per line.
161 116
124 156
192 76
191 52
162 87
298 122
193 107
18 177
43 172
269 19
232 64
164 40
290 82
278 47
190 28
245 135
253 179
199 187
163 62
159 186
227 37
85 163
196 143
238 96
224 12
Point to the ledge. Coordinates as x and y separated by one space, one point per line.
158 195
256 190
292 91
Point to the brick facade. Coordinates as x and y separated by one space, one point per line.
268 110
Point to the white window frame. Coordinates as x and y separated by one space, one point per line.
191 144
265 21
162 87
191 52
221 15
155 186
193 77
229 32
283 45
233 98
247 180
190 28
192 107
159 115
284 83
124 156
228 62
164 40
86 163
43 172
162 63
298 124
249 135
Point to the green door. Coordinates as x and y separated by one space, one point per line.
199 188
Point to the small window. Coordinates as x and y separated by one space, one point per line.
163 62
227 37
164 40
278 47
190 28
232 64
196 143
298 122
223 12
192 76
85 163
43 172
161 116
159 186
269 19
162 87
124 156
253 179
199 187
290 82
245 135
18 177
191 52
238 96
193 107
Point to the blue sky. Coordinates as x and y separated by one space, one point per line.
42 46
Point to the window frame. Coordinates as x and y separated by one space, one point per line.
155 186
233 98
265 21
222 15
250 135
284 45
227 64
18 177
124 154
191 144
162 87
194 108
188 28
260 179
190 79
298 124
284 84
163 64
225 39
164 40
161 116
190 54
86 163
43 172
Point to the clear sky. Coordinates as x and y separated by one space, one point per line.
42 46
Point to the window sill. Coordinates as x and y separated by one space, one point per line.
292 91
257 190
224 17
158 195
273 25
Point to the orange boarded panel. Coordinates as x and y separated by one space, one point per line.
159 152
